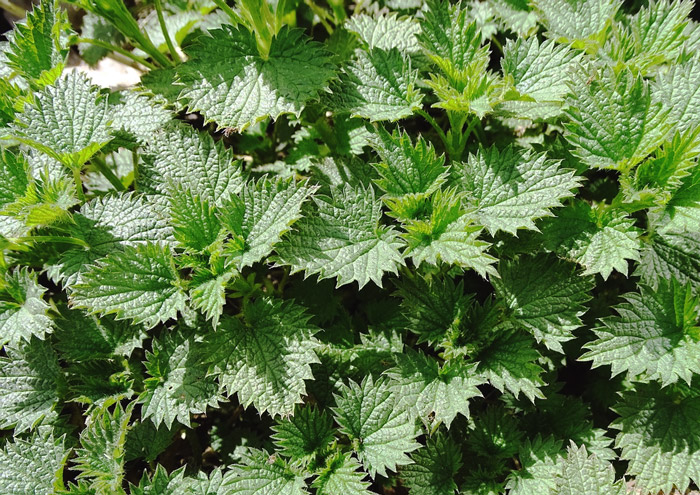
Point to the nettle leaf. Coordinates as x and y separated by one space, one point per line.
407 168
432 392
342 238
31 384
434 467
507 190
682 211
23 312
307 433
15 173
616 121
448 235
71 103
226 79
194 220
109 224
386 31
545 296
34 464
656 335
377 85
193 160
582 474
679 92
670 255
656 437
259 216
342 474
495 433
139 283
178 384
95 27
262 474
137 116
581 23
266 358
37 47
382 433
541 463
208 290
101 456
599 239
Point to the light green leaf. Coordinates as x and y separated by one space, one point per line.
23 312
616 121
545 296
178 384
654 337
343 474
582 23
226 79
670 255
541 463
679 88
194 220
263 474
208 292
266 358
38 46
432 392
68 120
508 190
656 436
183 156
382 433
15 173
34 464
342 238
386 31
259 216
101 456
138 283
31 383
600 239
582 474
682 211
305 434
137 116
377 85
434 467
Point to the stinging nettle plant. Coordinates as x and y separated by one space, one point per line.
388 247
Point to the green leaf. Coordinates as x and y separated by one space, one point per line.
107 225
138 283
144 439
23 312
432 392
266 358
263 474
34 464
343 474
495 434
194 220
177 384
31 383
259 216
193 160
38 46
541 463
600 239
226 79
407 168
95 27
447 235
654 337
208 292
434 467
98 381
137 117
682 211
386 31
101 456
377 85
305 434
545 296
616 121
670 255
507 190
72 104
14 170
582 474
679 91
579 22
342 238
382 434
656 436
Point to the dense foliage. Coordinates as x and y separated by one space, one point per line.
388 247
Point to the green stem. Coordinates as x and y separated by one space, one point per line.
13 9
164 28
78 183
135 159
119 50
231 13
51 238
435 126
101 165
322 15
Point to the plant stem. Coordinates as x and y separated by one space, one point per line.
322 15
164 28
435 126
13 9
135 159
78 183
101 165
119 50
231 13
52 238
